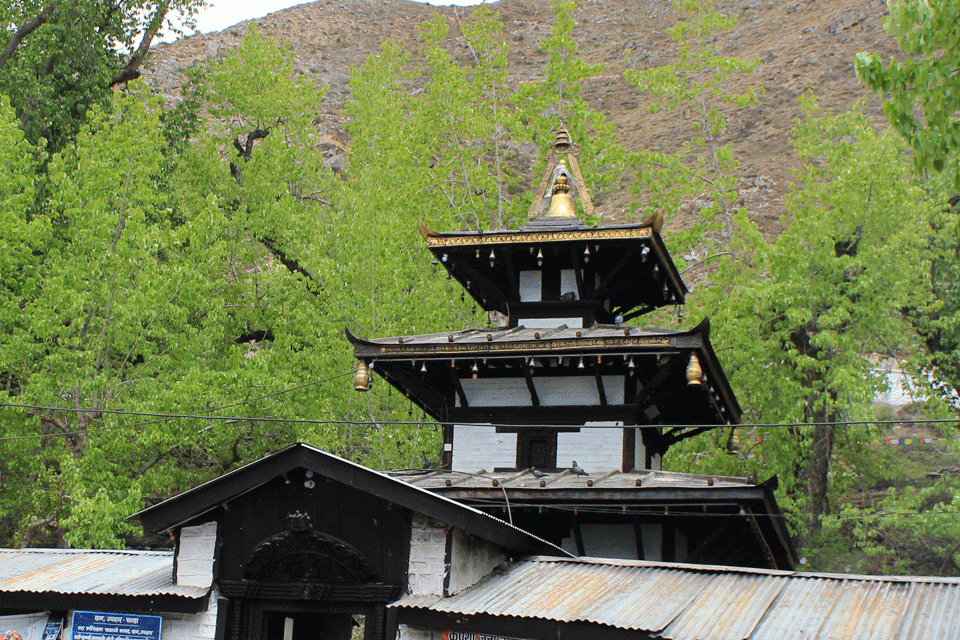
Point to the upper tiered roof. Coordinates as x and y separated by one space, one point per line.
566 356
556 266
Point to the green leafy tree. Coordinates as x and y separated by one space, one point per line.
164 274
556 100
817 302
59 59
93 333
922 90
922 93
701 175
471 112
910 531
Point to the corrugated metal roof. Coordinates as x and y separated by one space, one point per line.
85 571
690 602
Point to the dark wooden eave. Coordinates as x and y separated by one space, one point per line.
57 601
422 367
643 489
636 272
207 497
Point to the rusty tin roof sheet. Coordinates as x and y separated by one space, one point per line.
690 602
85 571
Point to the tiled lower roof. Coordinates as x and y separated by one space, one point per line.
565 479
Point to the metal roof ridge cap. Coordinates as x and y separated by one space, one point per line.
464 476
550 332
705 476
674 566
48 550
859 577
708 568
515 476
463 333
375 341
598 479
647 330
513 330
431 474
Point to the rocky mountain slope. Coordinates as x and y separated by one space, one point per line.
801 45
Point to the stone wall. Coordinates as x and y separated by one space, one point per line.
195 555
428 555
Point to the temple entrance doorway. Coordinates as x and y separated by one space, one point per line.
285 625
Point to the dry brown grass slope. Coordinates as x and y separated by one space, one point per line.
801 45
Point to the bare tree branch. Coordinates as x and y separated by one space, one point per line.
131 71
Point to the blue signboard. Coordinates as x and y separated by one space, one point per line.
96 625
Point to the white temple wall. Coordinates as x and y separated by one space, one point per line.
595 450
195 555
428 554
407 632
551 391
478 447
471 559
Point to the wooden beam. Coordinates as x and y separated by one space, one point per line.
480 282
458 387
665 370
528 377
600 390
577 270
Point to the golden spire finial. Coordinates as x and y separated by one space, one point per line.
561 204
562 154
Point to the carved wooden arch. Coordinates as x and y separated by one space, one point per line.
301 554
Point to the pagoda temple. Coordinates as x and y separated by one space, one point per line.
565 377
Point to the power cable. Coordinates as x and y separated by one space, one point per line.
199 416
618 425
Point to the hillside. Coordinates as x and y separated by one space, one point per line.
805 45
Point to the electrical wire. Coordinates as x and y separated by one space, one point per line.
163 417
233 418
200 416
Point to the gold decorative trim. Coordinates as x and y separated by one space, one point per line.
522 237
519 347
585 200
543 186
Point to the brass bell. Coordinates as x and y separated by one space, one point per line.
694 372
733 442
361 379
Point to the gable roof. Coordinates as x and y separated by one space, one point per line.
689 602
200 500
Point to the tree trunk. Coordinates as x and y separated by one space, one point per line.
819 470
